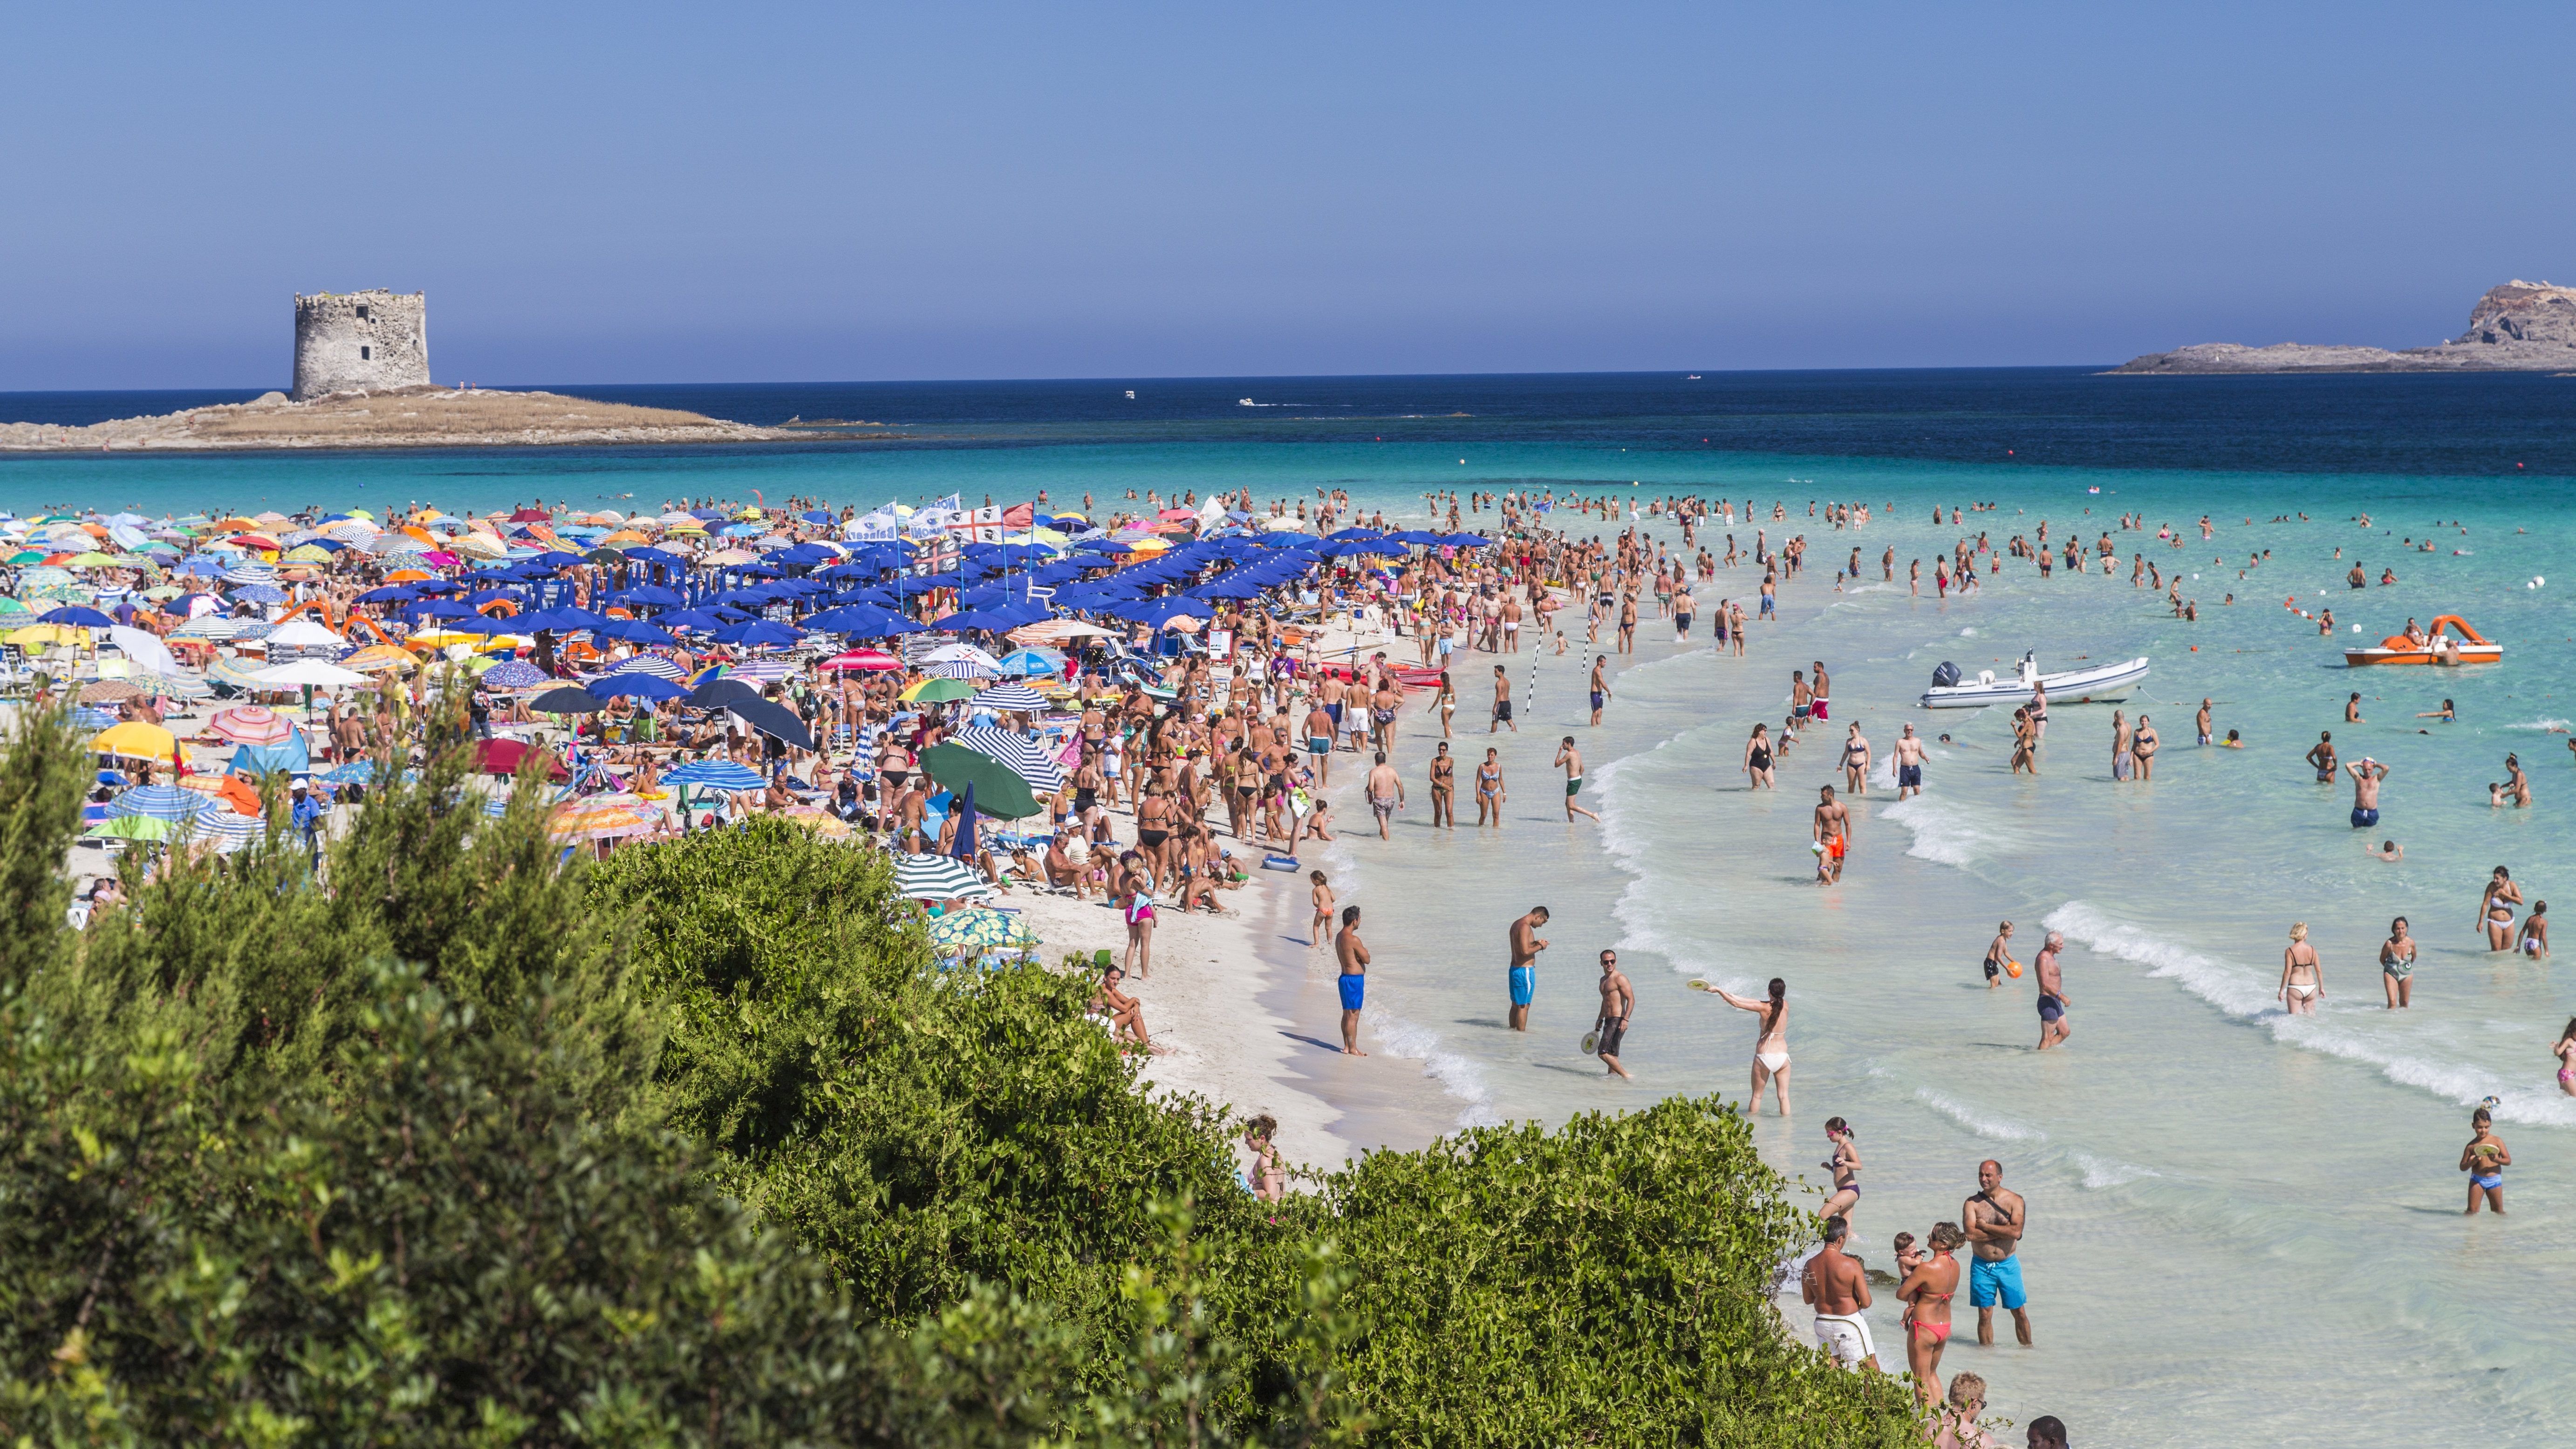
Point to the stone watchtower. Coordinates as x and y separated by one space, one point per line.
363 341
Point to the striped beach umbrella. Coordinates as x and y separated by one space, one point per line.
250 724
939 878
601 817
1026 756
761 671
652 664
1010 699
164 802
229 830
228 672
717 775
178 686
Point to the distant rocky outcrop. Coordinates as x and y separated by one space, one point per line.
2518 327
404 417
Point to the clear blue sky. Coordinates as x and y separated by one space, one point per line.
649 192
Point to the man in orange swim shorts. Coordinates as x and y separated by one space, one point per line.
1831 834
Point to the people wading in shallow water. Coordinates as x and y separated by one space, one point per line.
1926 1293
1770 1044
2495 909
2397 965
2484 1160
2303 976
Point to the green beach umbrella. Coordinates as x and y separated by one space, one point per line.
939 691
134 827
999 790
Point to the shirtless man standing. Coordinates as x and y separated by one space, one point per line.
1995 1219
1522 977
1319 742
1618 1002
1354 958
1821 706
1572 759
2366 774
1502 702
1831 831
1385 793
2053 1029
1909 764
1600 686
1836 1285
1444 788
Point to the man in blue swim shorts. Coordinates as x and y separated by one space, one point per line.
1354 980
1523 975
2366 774
1995 1220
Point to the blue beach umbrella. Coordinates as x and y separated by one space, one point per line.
716 775
163 802
758 632
635 686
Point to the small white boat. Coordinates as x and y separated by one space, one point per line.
2099 684
1245 402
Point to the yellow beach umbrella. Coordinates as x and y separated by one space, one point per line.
136 738
41 634
378 658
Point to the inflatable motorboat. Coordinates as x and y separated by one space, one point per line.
2451 642
2100 684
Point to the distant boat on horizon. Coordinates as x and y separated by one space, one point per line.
1690 377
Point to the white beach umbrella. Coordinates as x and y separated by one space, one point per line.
315 672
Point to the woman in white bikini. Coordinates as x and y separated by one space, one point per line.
2495 909
1771 1048
2303 977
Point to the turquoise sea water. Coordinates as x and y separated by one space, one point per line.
2245 1229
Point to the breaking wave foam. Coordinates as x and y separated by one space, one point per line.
1459 1077
1996 1129
2247 993
1942 832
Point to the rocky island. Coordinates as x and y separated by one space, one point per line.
2518 327
399 417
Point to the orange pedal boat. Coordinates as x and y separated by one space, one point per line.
2451 642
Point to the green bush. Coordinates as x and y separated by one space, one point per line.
451 1141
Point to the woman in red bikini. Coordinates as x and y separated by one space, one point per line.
1926 1294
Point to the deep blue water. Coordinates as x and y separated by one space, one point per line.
2040 417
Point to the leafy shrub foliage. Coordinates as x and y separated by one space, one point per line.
449 1140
